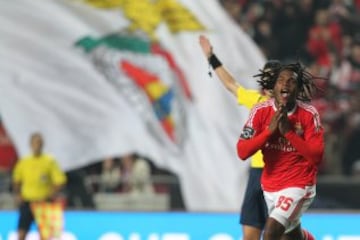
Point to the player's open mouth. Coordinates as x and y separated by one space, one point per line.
284 93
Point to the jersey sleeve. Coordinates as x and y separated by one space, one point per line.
58 177
248 97
311 146
17 172
252 137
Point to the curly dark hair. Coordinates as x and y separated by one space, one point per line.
305 80
268 74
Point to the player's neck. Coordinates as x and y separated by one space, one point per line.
289 106
37 154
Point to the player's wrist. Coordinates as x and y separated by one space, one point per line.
214 61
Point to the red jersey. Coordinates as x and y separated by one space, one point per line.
291 160
8 155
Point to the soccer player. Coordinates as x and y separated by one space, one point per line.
287 129
36 177
253 211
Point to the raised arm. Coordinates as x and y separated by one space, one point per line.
225 77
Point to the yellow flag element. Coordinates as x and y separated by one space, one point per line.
105 3
49 218
144 16
147 15
178 17
156 90
169 126
169 121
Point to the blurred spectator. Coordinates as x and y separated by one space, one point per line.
110 176
233 8
264 38
77 194
348 74
288 29
8 157
346 13
324 38
331 110
356 168
351 158
136 175
351 153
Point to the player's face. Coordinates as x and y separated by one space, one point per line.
285 89
36 144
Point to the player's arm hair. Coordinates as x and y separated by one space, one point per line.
223 74
227 79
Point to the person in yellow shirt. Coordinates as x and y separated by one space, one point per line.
253 211
36 177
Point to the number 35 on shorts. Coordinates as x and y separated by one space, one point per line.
284 202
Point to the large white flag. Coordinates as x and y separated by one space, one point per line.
101 78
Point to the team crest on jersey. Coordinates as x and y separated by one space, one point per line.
298 129
247 133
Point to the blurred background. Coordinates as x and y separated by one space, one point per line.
121 92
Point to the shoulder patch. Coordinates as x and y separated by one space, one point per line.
247 133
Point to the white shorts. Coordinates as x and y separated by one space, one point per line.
287 205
